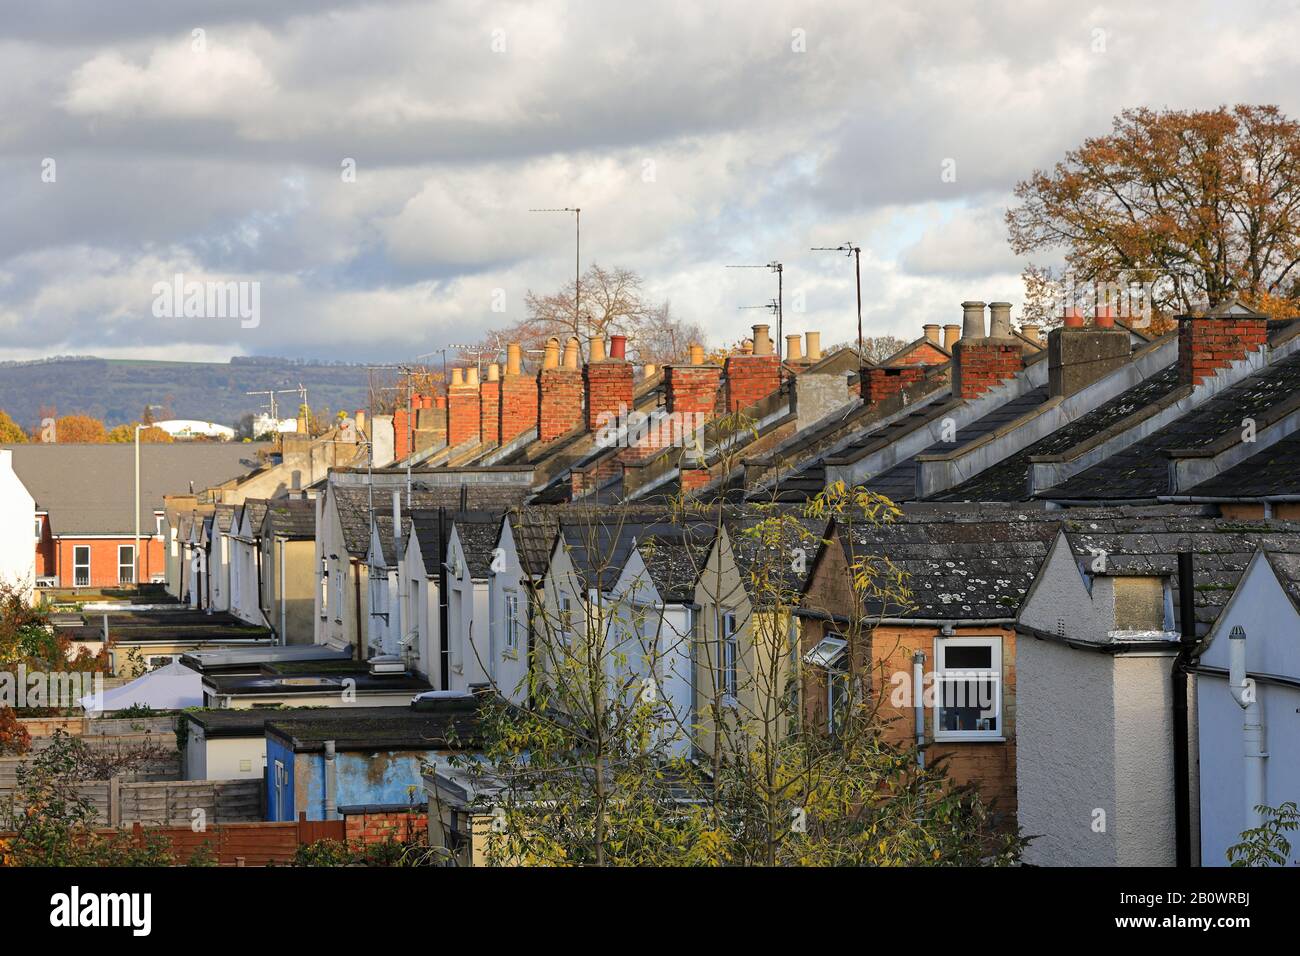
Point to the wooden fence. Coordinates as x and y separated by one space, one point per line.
119 802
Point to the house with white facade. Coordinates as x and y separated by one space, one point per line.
1248 706
245 561
17 521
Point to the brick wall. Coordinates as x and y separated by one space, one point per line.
879 384
608 389
750 378
518 405
462 414
982 364
378 827
1207 345
559 401
103 558
489 398
692 388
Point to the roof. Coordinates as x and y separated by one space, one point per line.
224 516
1141 471
1273 471
453 722
765 540
674 558
534 529
478 533
1008 480
976 564
87 489
1149 546
254 511
293 518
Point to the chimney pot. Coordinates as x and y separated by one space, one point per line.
1030 330
951 336
551 357
1001 320
931 331
747 347
648 371
572 348
597 348
972 320
471 376
793 348
813 346
1105 317
1072 318
762 341
457 377
514 359
618 346
697 354
494 372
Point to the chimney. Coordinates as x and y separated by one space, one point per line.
559 391
931 331
1078 355
697 354
692 389
518 397
648 370
1224 334
489 404
813 346
618 346
1105 317
462 407
951 335
751 378
880 382
980 361
1030 330
607 383
794 348
597 348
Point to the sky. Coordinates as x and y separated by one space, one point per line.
363 171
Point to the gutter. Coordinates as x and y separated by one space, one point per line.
1113 648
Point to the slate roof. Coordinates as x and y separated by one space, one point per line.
899 482
86 489
599 541
255 510
478 533
976 564
1008 480
224 515
766 540
1287 569
432 727
673 559
534 529
1273 471
1221 548
1141 471
293 518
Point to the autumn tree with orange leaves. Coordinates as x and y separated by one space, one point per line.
1199 204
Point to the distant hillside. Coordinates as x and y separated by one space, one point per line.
118 390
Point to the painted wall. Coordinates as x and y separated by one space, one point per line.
1272 647
17 529
224 758
511 666
361 778
290 599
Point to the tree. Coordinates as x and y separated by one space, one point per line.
79 429
151 434
10 431
612 302
1266 844
1189 206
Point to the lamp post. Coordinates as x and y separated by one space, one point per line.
135 553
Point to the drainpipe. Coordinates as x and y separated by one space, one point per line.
444 659
918 704
284 634
356 586
331 781
1181 668
1252 729
396 618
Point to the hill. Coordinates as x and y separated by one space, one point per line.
118 390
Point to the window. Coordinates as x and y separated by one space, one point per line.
81 566
126 564
968 686
831 655
158 524
40 528
512 621
727 653
324 589
566 618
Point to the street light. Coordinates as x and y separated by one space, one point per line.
135 553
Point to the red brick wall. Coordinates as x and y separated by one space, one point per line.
880 383
518 406
694 479
379 827
559 401
46 558
1207 345
608 388
462 414
692 388
489 398
984 363
751 378
103 558
925 354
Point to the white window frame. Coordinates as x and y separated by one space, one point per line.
728 655
512 620
941 645
76 565
121 564
40 528
566 618
324 589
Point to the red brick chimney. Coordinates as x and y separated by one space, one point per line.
462 406
752 377
607 382
692 389
1225 334
878 383
489 405
518 397
559 391
980 361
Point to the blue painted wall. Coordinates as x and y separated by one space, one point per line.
279 802
363 777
